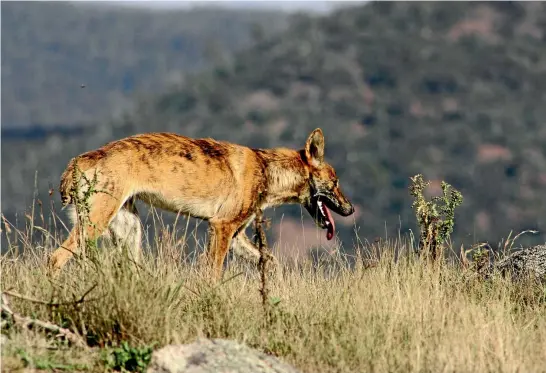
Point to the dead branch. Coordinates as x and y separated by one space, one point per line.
26 322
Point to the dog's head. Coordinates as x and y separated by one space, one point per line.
324 192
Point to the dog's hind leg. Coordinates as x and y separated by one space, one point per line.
103 208
125 232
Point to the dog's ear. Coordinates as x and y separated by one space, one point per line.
314 147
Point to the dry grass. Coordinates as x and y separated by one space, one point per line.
394 316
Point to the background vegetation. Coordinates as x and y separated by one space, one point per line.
50 49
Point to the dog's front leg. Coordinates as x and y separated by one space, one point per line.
220 236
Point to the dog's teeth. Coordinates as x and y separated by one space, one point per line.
319 204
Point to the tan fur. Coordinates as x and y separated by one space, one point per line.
220 182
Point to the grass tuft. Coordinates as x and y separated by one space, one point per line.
382 310
396 316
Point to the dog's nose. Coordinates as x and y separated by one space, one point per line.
350 210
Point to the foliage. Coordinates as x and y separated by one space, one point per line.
436 218
318 325
128 359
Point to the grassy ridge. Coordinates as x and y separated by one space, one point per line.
387 312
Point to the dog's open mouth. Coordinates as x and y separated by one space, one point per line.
328 220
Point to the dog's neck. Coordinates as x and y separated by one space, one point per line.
286 176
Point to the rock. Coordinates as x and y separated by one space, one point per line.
215 356
527 261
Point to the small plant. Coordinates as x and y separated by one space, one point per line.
436 218
128 359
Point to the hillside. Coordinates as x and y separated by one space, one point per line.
50 49
451 90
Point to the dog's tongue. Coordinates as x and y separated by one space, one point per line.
331 228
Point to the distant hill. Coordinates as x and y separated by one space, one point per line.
50 49
453 90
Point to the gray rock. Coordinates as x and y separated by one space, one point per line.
215 356
527 261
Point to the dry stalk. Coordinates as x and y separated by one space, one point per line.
261 242
52 304
27 322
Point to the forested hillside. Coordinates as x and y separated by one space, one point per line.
452 90
50 49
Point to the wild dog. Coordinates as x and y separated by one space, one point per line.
217 181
